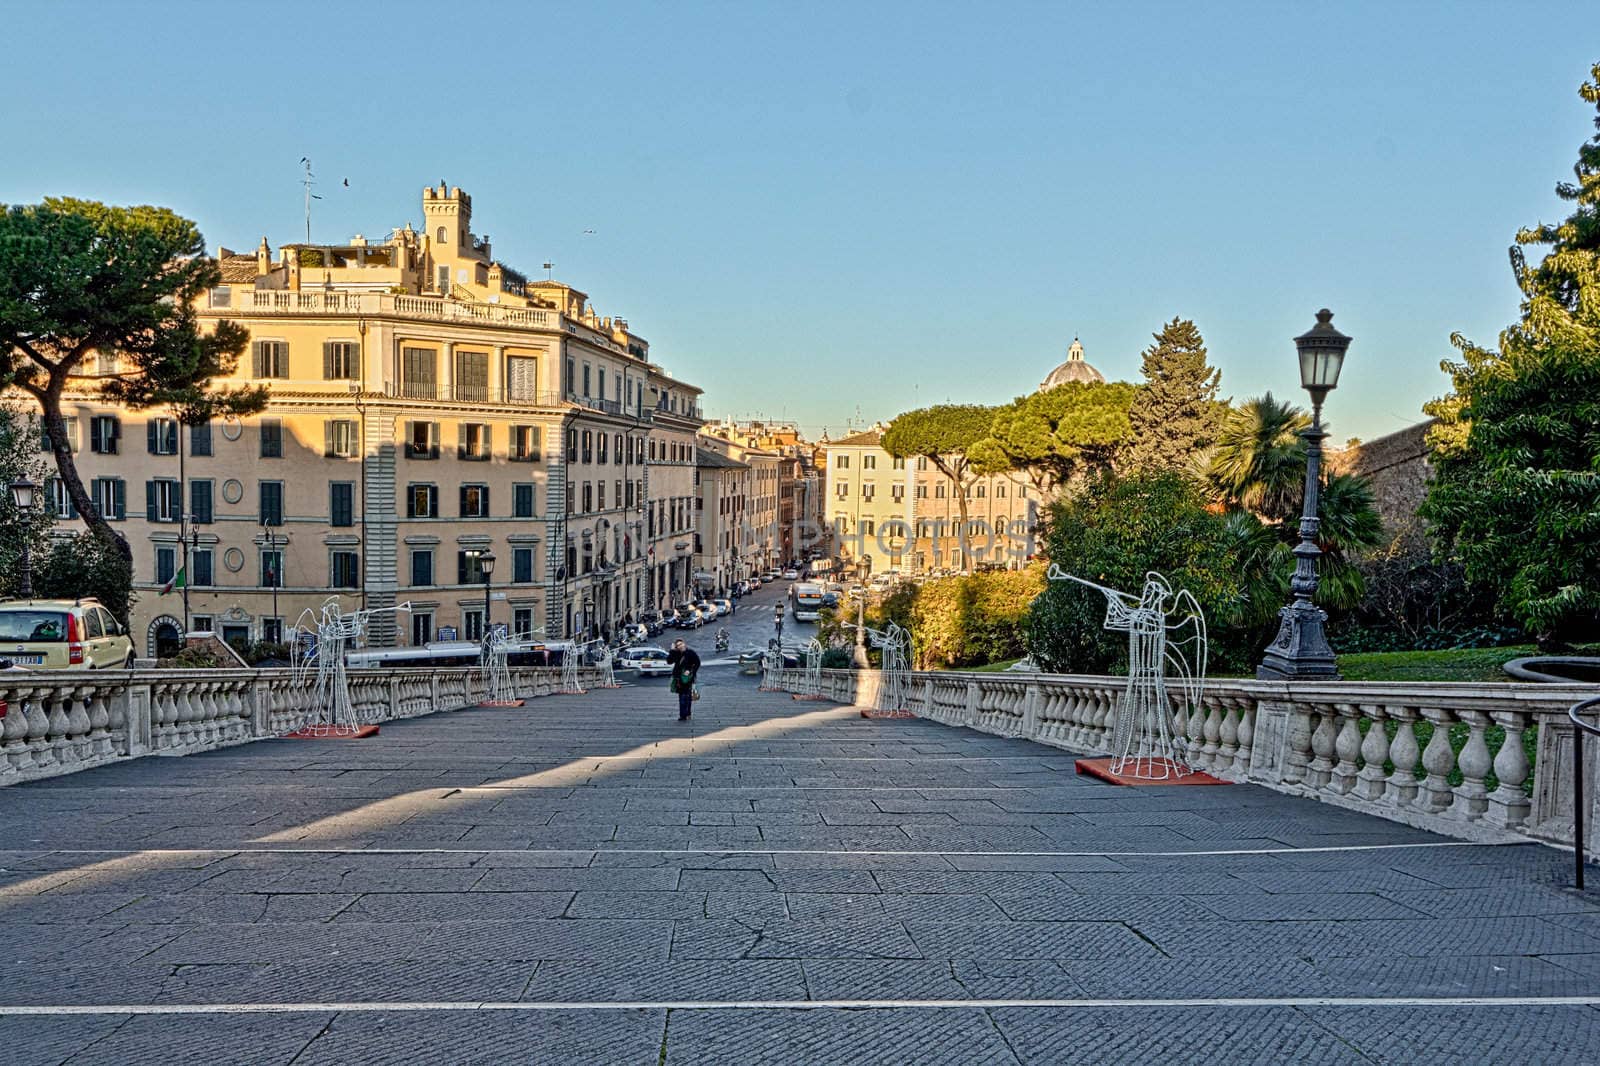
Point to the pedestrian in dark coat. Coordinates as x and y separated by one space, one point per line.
685 668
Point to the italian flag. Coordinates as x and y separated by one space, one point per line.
179 580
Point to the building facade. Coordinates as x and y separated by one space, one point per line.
720 558
428 408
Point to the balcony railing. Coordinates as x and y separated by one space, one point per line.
430 390
430 308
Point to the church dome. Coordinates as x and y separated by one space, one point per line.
1074 369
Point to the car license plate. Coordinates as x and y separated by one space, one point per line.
30 660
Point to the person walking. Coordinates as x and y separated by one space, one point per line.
685 668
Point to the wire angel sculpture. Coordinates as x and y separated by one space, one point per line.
811 680
894 645
772 668
331 711
494 670
570 657
1166 664
606 661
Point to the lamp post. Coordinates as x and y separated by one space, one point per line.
273 544
486 568
22 494
1301 649
777 622
859 658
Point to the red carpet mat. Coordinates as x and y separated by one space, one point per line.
1101 768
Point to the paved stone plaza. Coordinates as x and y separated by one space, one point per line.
586 880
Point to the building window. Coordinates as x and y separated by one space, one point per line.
422 501
422 567
110 497
869 462
588 498
980 488
421 628
439 237
899 462
201 570
200 502
340 438
868 527
339 361
58 499
271 438
522 623
1000 490
271 569
104 433
472 376
419 378
472 624
341 503
162 502
522 500
600 495
166 565
843 489
897 492
522 378
588 446
272 503
867 491
922 492
585 379
569 380
272 630
602 456
938 491
162 436
474 501
270 359
468 572
422 440
474 442
200 438
522 566
202 624
842 462
346 567
222 296
525 444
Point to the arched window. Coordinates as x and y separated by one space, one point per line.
440 239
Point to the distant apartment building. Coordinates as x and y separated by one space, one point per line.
429 407
724 490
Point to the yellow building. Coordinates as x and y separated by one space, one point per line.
868 500
429 407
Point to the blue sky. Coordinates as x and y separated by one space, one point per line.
833 211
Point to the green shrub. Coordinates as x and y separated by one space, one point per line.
974 619
1116 530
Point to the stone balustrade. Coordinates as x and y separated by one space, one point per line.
1425 754
56 723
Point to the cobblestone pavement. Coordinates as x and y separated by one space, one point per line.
584 879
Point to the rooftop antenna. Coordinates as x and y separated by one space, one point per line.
549 271
308 182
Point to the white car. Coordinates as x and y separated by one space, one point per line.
723 606
649 661
791 575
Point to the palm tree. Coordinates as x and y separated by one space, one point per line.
1258 469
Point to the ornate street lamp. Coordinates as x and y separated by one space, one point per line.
486 568
23 491
777 621
1301 649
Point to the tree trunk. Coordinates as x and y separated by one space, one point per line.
67 468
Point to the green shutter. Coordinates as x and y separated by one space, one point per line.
150 501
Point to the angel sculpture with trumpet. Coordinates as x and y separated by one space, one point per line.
1166 663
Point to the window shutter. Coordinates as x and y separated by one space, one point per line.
461 568
120 489
200 501
483 502
327 427
200 439
150 501
411 503
151 431
463 501
327 360
257 358
461 441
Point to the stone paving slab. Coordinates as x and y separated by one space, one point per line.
594 851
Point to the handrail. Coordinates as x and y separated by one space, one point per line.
1580 727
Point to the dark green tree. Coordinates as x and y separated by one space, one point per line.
1060 434
943 434
1516 489
1174 417
20 458
79 278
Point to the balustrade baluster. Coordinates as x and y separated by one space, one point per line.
1247 735
1508 804
1320 772
1372 781
1404 753
100 746
1473 792
14 733
1438 760
1297 765
1211 730
61 748
1228 745
1346 746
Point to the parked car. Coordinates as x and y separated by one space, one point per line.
708 613
686 617
723 606
649 661
791 574
63 635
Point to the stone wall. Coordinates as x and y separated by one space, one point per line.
1397 468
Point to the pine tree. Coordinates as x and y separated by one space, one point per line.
1174 416
1517 449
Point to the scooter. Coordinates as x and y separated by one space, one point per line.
722 640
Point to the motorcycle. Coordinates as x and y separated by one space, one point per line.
722 640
